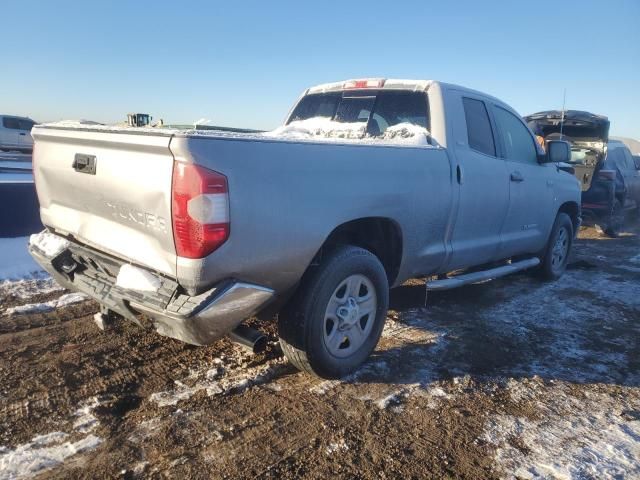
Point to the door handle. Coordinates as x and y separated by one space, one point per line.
517 177
23 134
459 174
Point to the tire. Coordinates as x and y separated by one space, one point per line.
615 220
324 329
556 253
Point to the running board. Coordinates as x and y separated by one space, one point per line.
483 275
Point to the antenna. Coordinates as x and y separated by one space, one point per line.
564 102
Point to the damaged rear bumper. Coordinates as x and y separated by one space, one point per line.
198 320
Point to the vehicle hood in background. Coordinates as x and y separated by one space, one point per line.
587 132
582 129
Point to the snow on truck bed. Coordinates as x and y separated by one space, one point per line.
316 129
322 128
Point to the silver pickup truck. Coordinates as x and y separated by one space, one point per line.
196 231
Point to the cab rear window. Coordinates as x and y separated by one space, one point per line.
14 123
379 108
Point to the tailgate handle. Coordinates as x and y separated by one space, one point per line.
84 163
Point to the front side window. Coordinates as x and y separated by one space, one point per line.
479 132
516 138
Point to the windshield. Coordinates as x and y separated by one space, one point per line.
377 109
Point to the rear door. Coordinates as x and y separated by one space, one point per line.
531 204
482 181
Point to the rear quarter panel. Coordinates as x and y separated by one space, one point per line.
287 197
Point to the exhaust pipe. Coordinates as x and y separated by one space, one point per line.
249 338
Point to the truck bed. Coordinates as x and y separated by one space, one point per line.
286 196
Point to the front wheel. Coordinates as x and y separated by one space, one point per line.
335 319
556 253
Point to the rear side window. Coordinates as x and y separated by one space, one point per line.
479 132
516 138
14 123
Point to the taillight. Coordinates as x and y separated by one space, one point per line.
607 174
200 210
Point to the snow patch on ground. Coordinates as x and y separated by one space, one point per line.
15 261
216 382
414 341
591 437
64 300
86 421
28 288
46 451
570 340
145 430
41 453
337 446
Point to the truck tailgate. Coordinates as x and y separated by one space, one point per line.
110 190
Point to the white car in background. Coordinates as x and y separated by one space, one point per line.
15 133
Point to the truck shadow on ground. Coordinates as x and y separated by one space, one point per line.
583 328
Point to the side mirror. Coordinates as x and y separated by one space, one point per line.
558 151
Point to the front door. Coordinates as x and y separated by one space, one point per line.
531 199
483 186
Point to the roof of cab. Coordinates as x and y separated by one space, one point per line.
388 84
397 84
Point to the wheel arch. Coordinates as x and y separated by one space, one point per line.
382 236
573 210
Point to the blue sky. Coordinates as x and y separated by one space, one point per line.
244 63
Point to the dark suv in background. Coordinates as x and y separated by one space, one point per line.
606 170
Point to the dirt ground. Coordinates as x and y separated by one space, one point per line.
512 378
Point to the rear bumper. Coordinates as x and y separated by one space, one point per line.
198 320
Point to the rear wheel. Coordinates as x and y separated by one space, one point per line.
615 221
335 319
556 254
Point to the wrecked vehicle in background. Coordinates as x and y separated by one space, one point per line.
369 183
608 180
